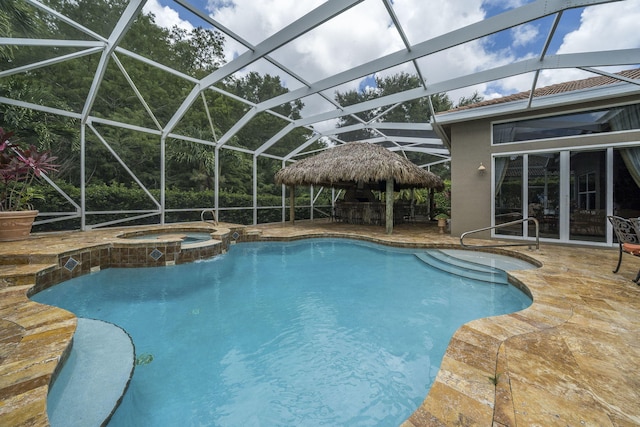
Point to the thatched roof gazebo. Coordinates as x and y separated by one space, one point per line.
359 162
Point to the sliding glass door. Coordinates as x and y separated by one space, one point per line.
508 194
588 192
570 193
544 194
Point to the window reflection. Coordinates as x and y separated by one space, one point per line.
544 194
585 123
626 182
583 215
588 216
508 199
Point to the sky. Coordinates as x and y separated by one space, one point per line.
368 33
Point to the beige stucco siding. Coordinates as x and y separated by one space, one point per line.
471 190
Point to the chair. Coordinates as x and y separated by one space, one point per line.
628 234
338 213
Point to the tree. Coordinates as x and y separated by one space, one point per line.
473 99
198 52
16 18
190 164
413 111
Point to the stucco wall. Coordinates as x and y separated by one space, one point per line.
471 189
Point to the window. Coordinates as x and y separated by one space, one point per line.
626 182
587 191
569 192
585 123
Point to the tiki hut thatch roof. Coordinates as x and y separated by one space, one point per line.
345 164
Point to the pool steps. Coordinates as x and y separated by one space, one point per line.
463 268
94 378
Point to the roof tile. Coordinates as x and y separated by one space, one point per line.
556 89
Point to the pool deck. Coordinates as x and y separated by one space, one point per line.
572 358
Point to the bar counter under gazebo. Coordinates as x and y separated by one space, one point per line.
359 167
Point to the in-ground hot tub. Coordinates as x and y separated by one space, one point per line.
166 246
187 237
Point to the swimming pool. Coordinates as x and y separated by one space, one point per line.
315 332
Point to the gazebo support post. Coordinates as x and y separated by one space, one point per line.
432 203
389 201
292 203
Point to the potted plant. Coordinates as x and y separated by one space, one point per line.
19 166
442 221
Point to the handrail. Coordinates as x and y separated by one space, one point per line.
213 213
506 224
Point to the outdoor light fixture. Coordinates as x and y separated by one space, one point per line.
481 168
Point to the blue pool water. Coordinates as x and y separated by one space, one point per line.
310 333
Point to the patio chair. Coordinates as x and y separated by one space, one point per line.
628 234
634 249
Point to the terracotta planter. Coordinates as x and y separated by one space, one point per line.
16 225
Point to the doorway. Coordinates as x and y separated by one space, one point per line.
569 192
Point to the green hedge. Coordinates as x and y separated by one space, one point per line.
102 197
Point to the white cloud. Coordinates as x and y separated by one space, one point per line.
320 52
509 4
524 34
256 21
605 26
422 20
602 28
165 16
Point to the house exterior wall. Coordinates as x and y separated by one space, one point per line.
470 189
471 199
